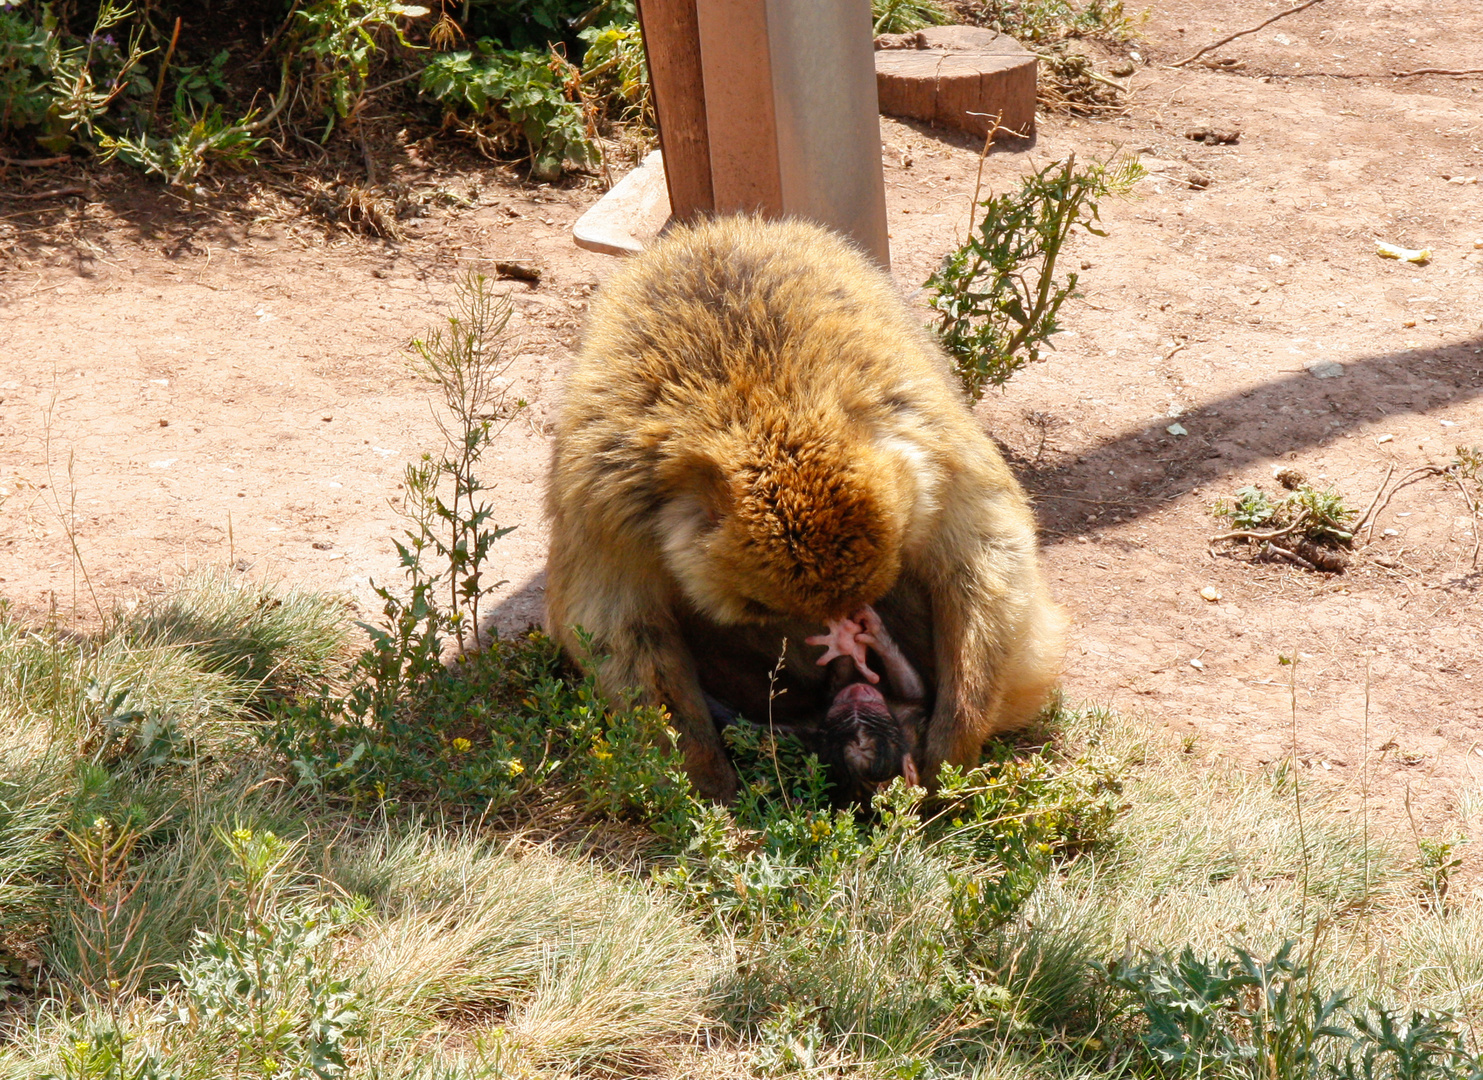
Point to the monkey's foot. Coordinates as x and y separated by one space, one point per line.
843 639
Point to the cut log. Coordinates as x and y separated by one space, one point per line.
958 76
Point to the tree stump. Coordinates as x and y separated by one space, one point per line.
959 76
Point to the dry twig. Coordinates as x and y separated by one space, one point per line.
1248 534
1360 524
1410 478
53 193
1292 555
34 162
1437 71
1242 33
1472 515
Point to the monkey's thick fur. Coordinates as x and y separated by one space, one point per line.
758 437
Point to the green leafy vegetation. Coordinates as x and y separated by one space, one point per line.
1309 516
231 847
997 296
503 98
1053 20
900 16
1260 1018
131 86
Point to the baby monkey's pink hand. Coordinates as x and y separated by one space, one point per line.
843 639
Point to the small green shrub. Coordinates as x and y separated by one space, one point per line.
105 1053
1468 463
1318 516
500 726
338 40
508 99
1265 1020
901 16
615 71
196 142
885 925
1250 508
29 56
1052 20
60 89
997 295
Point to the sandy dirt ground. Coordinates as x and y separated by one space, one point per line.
224 383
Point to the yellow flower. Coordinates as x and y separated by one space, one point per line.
515 766
462 746
819 828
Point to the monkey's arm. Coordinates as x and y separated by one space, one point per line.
901 677
996 634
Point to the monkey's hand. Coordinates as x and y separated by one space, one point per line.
843 639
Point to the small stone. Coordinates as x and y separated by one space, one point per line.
1176 429
1121 69
1199 181
327 417
1324 369
163 422
1211 135
1197 664
1385 438
1409 323
518 271
321 545
1211 593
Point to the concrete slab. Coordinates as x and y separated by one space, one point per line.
630 216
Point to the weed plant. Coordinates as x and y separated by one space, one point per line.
901 16
1053 20
119 88
1319 516
997 296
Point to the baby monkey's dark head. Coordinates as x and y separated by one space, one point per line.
868 743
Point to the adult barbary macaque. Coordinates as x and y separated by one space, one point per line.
759 438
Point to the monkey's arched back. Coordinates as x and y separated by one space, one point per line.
758 430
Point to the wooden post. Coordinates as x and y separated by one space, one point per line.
672 46
769 106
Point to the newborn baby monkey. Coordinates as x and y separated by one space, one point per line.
871 732
869 737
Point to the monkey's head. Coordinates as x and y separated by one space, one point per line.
867 745
790 527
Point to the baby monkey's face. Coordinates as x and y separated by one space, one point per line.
874 744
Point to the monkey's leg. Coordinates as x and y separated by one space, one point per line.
636 643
